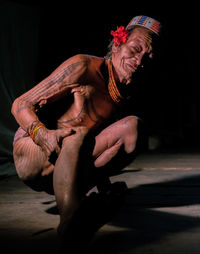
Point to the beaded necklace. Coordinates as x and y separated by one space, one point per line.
112 87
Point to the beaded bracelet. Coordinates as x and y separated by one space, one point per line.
35 129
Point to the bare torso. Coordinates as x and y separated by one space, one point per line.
88 104
92 105
78 88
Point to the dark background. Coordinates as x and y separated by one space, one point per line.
37 36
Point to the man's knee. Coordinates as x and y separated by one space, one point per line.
130 133
77 138
28 159
26 171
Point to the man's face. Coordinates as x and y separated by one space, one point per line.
130 55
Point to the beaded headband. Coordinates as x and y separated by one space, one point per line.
147 22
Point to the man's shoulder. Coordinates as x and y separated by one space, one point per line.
82 65
86 59
79 58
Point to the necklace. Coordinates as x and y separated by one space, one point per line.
112 87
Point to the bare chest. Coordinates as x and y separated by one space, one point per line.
91 106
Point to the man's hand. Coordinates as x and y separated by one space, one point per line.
50 140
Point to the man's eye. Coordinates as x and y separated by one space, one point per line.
136 49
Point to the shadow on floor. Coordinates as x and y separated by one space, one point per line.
141 225
130 213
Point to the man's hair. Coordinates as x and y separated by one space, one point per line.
130 29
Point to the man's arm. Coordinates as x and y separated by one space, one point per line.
61 81
66 77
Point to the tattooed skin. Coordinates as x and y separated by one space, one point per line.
80 77
49 87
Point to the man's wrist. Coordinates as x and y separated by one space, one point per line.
33 128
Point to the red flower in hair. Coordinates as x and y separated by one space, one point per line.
120 35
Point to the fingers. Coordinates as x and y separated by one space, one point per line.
54 144
54 139
62 133
57 149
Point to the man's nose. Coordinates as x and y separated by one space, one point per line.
138 58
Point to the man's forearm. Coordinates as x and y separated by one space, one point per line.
24 115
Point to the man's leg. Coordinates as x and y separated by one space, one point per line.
122 133
30 161
113 150
65 178
32 165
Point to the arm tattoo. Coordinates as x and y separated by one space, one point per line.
50 86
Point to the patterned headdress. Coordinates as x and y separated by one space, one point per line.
147 22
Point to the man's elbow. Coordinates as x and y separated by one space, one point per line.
131 145
131 134
15 107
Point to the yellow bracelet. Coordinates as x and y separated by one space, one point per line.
34 131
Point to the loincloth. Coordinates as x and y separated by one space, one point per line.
20 133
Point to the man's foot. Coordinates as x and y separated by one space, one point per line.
96 210
67 215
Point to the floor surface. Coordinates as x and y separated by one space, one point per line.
158 213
